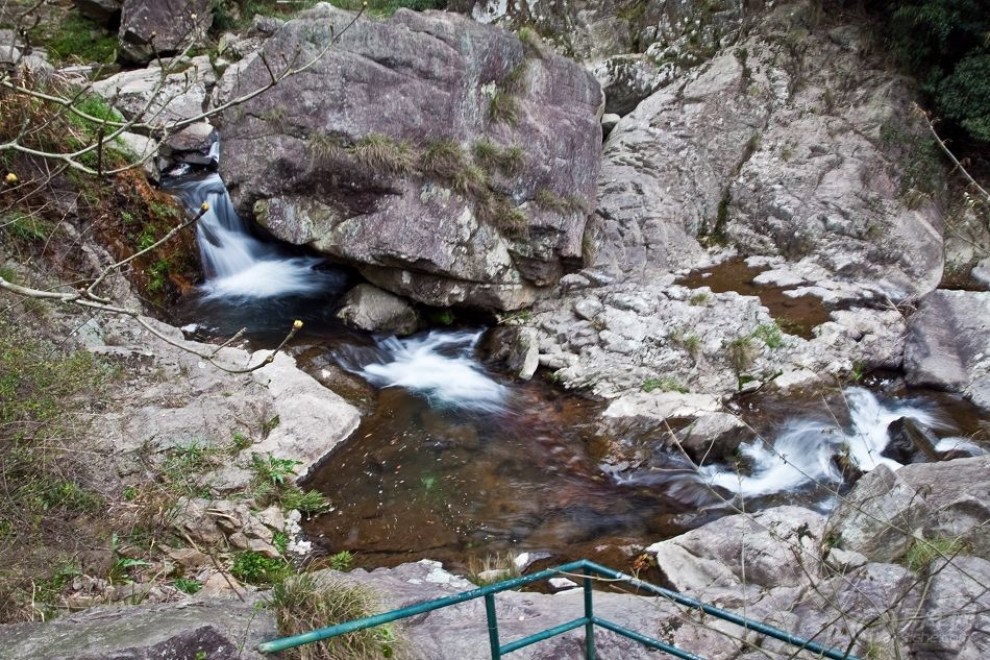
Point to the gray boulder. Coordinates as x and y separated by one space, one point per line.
947 344
161 27
879 518
369 308
160 95
218 630
444 159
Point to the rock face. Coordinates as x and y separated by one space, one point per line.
467 182
764 148
219 630
948 344
161 27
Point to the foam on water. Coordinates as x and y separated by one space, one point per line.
805 452
439 365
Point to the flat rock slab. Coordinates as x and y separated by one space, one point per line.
948 344
218 630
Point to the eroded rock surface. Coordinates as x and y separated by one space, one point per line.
467 182
948 344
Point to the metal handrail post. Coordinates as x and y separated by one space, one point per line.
589 615
496 646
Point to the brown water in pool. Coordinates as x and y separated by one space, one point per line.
796 315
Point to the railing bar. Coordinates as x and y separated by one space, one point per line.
493 643
646 641
732 617
542 635
589 615
412 610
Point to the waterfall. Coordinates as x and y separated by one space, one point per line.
236 264
438 365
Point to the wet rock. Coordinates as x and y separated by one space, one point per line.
487 230
219 630
713 437
947 344
517 346
369 308
194 144
910 441
161 27
879 518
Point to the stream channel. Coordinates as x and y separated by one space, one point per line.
456 461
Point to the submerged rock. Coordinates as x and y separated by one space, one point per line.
469 182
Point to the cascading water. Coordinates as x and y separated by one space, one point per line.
807 450
238 265
439 365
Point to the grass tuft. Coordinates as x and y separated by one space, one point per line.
302 604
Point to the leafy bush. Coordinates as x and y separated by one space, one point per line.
944 44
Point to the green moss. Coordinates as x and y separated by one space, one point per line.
664 385
78 39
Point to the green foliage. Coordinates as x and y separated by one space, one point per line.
964 96
271 470
503 108
944 43
770 334
238 14
341 561
185 465
187 585
550 201
255 568
698 299
23 228
667 384
741 353
508 218
507 160
923 552
443 158
301 604
307 502
78 39
471 182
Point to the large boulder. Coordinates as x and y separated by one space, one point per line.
947 344
162 27
444 159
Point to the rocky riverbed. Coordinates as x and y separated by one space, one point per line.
450 162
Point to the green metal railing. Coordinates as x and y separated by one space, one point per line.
588 621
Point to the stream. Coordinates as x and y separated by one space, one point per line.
456 461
